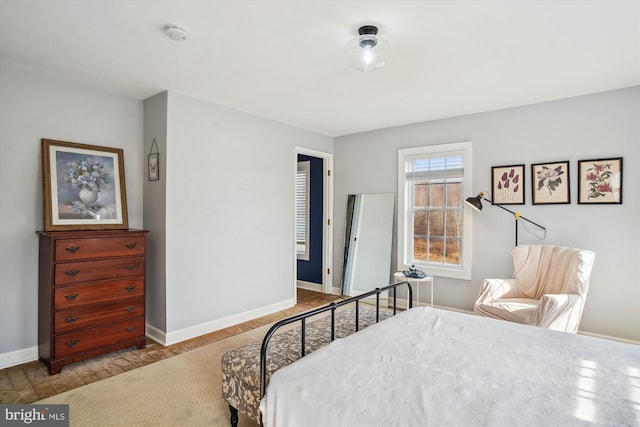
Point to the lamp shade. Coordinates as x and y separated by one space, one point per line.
475 202
368 51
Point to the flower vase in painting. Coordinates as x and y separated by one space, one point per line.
86 190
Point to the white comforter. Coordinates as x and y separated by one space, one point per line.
430 367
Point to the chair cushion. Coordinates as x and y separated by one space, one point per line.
540 270
519 310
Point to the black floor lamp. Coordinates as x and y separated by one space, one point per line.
476 203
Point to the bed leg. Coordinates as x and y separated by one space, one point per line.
234 416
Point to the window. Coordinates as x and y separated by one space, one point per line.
434 231
302 210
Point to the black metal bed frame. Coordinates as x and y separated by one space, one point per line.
302 317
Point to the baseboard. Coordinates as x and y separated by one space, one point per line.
156 334
174 337
316 287
309 286
18 357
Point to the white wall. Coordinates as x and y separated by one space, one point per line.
594 126
221 239
155 200
229 215
228 179
33 107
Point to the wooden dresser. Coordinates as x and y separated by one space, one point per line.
91 294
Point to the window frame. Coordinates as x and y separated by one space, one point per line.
403 209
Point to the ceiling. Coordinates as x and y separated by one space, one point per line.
287 60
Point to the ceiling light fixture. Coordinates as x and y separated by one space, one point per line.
175 33
368 50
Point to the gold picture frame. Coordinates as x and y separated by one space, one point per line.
84 187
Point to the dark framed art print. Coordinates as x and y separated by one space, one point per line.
600 181
550 183
507 185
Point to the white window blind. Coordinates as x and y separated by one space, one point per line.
302 209
434 168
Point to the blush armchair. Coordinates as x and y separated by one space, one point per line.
548 289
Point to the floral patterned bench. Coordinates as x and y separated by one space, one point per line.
241 367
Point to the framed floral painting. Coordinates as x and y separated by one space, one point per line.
550 183
507 183
84 187
600 181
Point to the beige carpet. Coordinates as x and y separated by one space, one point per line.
184 390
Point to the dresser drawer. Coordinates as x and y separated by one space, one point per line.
86 271
83 317
77 342
91 294
111 290
87 248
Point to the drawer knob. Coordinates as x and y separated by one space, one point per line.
71 319
130 267
131 245
130 288
131 329
73 249
130 308
72 343
72 273
71 297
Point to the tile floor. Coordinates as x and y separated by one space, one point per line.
30 382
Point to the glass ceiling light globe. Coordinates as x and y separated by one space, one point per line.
368 51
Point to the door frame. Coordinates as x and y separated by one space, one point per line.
327 218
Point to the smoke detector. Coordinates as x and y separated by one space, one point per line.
175 33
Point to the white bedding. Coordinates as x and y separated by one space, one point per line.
430 367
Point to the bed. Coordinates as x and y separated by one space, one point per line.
246 370
431 367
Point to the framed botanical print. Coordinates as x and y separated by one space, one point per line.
600 181
550 183
507 184
84 187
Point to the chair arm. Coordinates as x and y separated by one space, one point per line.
492 289
560 312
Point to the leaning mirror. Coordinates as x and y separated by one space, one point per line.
368 234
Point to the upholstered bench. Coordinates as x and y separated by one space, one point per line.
241 367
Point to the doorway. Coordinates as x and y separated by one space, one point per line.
314 244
